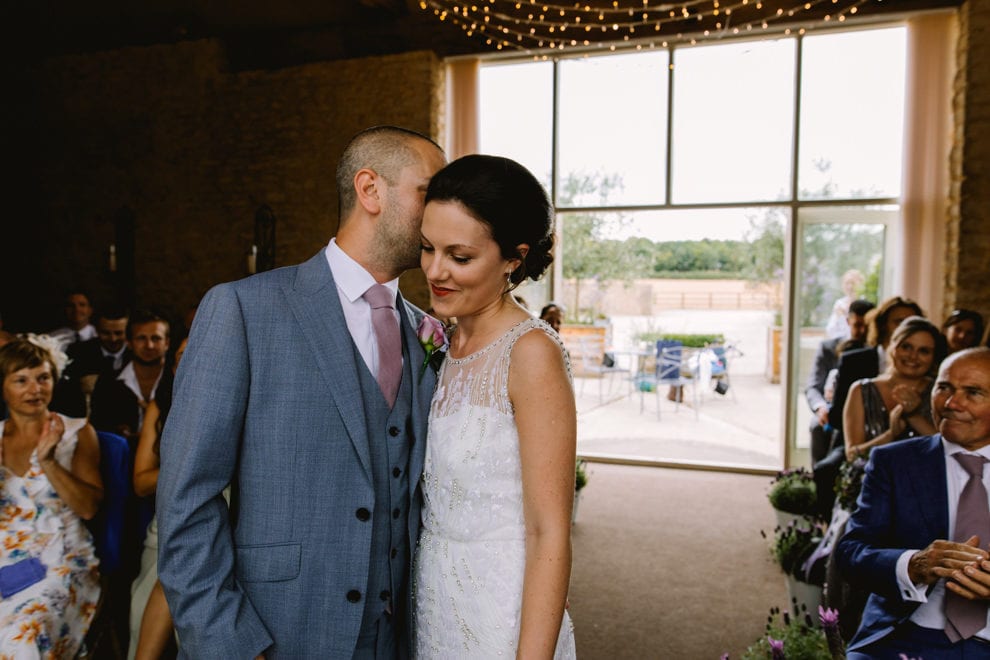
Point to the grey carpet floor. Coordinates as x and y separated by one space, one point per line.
671 564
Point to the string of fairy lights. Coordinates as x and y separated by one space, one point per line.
532 25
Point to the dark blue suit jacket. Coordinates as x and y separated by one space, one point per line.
853 365
903 505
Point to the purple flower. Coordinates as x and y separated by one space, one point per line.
830 624
724 656
776 648
828 617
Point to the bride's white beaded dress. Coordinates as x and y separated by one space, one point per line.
472 552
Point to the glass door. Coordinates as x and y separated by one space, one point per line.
842 253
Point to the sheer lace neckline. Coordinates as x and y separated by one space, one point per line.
488 347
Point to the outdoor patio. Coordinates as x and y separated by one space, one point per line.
732 429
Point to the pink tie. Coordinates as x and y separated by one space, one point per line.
963 617
389 342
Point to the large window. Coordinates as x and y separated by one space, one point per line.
715 195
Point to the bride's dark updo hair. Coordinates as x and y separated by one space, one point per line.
505 196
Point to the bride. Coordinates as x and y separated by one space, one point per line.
494 555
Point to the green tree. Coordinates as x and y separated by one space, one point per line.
587 252
766 247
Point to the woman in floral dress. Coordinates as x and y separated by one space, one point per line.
49 483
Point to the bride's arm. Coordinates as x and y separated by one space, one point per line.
543 400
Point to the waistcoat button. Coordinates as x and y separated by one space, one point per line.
362 514
353 595
393 431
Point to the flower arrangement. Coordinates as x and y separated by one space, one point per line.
850 481
793 491
796 636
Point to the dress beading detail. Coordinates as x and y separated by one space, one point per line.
471 557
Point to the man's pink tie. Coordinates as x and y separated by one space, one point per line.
389 343
963 617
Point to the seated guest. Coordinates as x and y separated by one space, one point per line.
826 360
107 352
5 336
894 405
553 315
49 483
918 540
868 362
119 401
963 329
151 623
118 405
78 311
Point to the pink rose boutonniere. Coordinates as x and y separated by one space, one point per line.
433 338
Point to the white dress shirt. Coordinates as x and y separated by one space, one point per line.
68 335
118 357
931 612
129 378
352 281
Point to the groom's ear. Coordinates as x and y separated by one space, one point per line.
367 186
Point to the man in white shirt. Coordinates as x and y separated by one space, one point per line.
108 352
904 541
120 398
78 312
303 389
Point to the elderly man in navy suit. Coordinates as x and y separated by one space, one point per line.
920 536
287 393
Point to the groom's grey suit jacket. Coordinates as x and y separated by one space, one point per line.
267 399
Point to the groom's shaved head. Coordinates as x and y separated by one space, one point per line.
385 149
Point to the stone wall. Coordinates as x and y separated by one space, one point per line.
968 234
190 150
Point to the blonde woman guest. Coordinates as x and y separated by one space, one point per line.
896 404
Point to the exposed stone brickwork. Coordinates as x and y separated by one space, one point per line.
193 150
968 234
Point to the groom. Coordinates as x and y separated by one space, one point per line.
287 393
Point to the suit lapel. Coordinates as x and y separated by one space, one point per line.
316 305
422 390
926 479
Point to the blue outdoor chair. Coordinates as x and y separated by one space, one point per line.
669 372
720 370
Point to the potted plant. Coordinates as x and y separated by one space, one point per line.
793 495
791 546
580 481
795 635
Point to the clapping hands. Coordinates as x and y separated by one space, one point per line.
907 398
51 435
